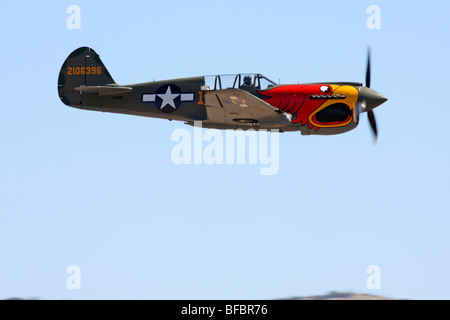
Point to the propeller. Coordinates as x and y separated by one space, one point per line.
370 114
369 99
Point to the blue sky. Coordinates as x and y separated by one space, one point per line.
100 191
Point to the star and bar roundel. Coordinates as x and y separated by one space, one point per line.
168 98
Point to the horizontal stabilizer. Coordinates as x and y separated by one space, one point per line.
104 90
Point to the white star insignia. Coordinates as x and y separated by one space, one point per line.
168 98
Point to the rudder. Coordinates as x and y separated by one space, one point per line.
82 68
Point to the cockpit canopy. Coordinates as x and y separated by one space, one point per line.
245 81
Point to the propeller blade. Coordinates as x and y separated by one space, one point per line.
368 69
373 123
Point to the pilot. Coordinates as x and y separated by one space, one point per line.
247 81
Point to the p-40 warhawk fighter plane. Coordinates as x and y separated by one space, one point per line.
240 101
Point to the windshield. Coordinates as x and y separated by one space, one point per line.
263 83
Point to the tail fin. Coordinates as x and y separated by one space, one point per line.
82 68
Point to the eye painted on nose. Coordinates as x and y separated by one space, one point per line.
325 89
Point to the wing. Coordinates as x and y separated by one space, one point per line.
232 107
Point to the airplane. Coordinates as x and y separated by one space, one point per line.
238 101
